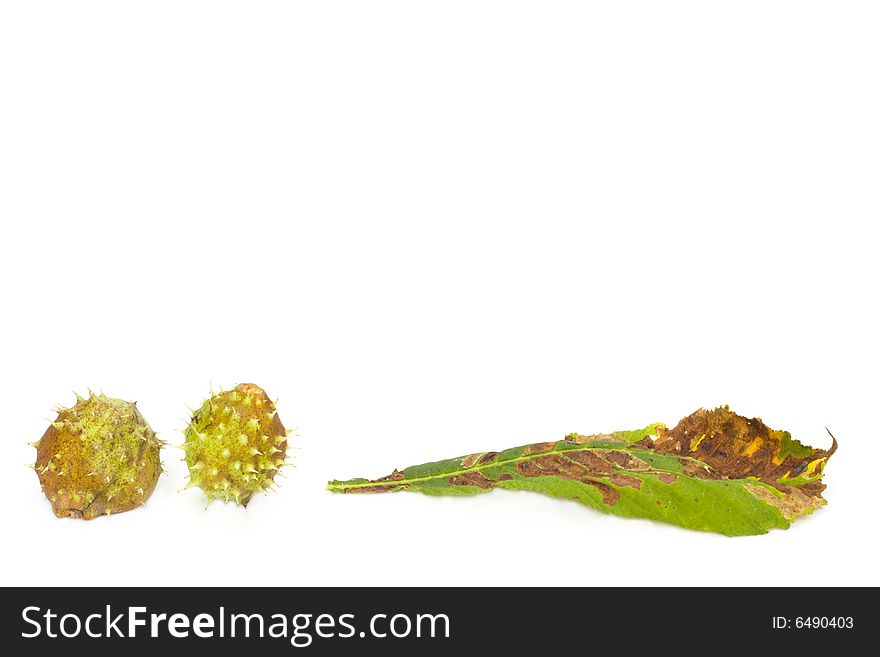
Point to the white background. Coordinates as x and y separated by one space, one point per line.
433 228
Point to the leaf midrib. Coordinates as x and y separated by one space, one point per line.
519 459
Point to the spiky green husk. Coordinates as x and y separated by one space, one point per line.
98 457
235 444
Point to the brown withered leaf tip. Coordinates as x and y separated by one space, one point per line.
735 447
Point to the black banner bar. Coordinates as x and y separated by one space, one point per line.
433 621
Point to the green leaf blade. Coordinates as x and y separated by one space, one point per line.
685 476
